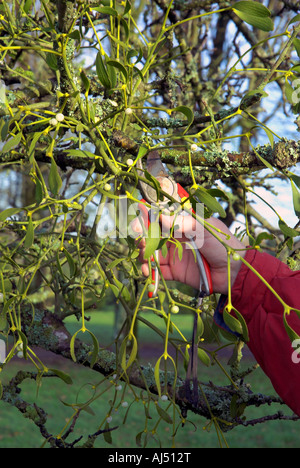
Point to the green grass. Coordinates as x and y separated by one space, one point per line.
18 432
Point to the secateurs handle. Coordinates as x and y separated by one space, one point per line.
205 287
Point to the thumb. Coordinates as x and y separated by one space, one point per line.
136 227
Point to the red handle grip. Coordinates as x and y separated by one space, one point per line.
146 219
183 194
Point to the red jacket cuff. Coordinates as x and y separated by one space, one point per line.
248 287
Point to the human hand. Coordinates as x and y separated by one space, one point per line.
186 270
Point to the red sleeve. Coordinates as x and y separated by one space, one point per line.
263 313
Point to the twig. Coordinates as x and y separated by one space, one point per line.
274 417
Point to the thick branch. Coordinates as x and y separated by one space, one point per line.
220 163
198 119
66 12
11 395
68 83
48 331
284 154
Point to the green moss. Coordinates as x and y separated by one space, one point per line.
31 413
108 361
148 375
286 153
185 170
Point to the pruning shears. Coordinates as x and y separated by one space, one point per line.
155 167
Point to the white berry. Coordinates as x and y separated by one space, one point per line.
129 162
174 309
60 117
194 147
236 257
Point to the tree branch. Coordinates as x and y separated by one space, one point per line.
219 163
284 154
48 331
11 395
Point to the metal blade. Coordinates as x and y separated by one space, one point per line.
155 166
